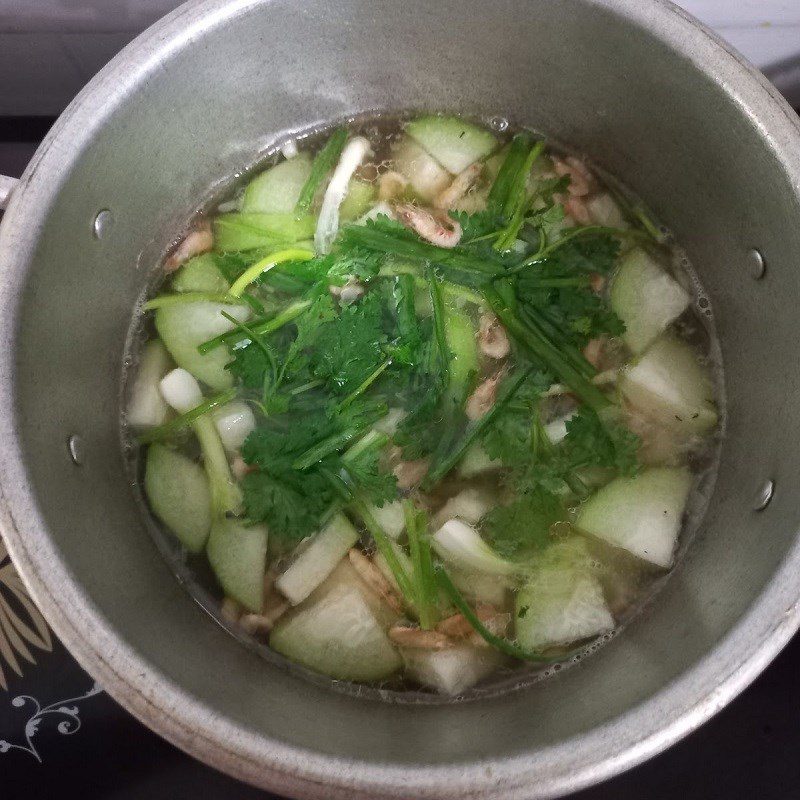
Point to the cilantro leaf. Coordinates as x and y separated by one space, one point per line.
477 224
377 484
293 504
523 526
350 348
250 365
589 442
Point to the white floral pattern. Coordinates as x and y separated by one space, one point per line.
70 720
22 626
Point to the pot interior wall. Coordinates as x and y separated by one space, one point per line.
166 132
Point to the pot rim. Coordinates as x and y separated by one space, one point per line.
622 742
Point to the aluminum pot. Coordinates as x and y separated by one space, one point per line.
657 100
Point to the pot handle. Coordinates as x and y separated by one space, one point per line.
6 188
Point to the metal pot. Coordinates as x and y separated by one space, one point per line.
657 100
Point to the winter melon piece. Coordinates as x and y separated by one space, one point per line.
360 196
454 143
562 601
669 385
179 495
335 631
453 670
238 556
316 559
184 326
276 190
641 514
200 274
426 176
646 299
146 407
249 231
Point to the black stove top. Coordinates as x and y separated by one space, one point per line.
62 736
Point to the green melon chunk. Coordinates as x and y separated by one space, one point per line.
562 602
178 492
249 231
646 299
336 632
641 514
669 385
276 191
200 274
454 143
426 176
238 556
184 326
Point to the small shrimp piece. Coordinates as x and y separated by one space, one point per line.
375 579
239 467
438 229
575 208
351 291
194 243
406 636
230 610
597 282
391 185
482 399
493 338
410 473
461 184
459 626
580 179
496 624
593 352
261 624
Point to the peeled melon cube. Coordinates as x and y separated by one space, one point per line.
476 461
146 407
426 176
248 231
336 632
562 601
360 196
669 385
184 326
234 422
316 559
641 514
469 505
479 587
276 190
454 143
238 556
179 495
603 210
646 299
391 517
200 274
453 670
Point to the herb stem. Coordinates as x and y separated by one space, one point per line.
439 325
164 300
365 385
444 465
385 548
169 429
419 547
255 271
544 351
262 328
498 642
324 162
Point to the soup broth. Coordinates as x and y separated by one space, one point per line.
424 405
